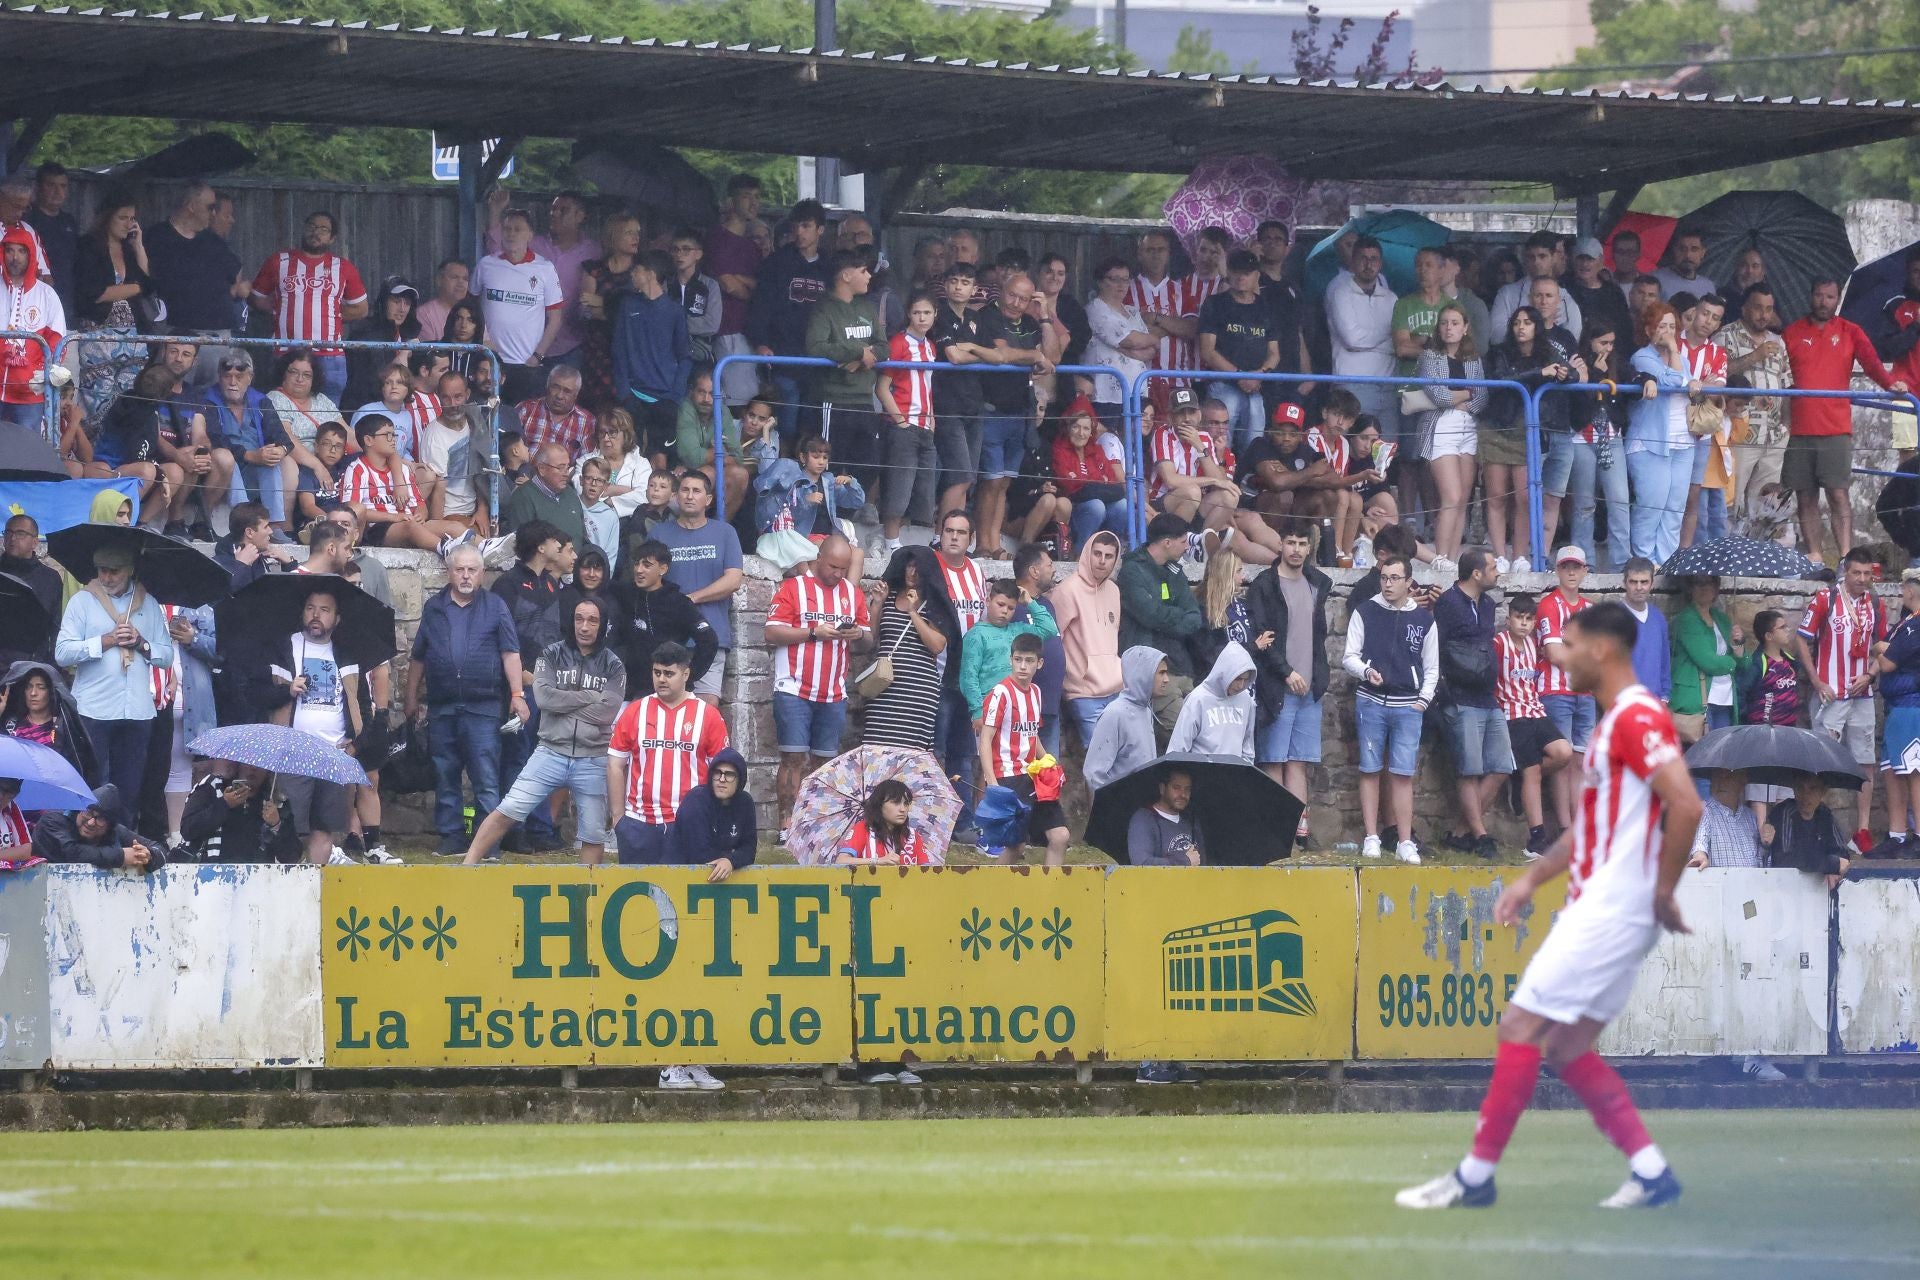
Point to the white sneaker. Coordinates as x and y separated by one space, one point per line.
339 858
676 1078
890 545
379 857
1523 565
1644 1193
1370 847
702 1078
1762 1070
905 1076
1502 565
1444 568
1446 1192
1407 851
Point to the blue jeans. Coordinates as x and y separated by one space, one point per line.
1660 484
515 750
330 376
1090 515
262 484
33 415
1085 714
120 752
957 747
1572 469
1246 412
787 411
546 772
1294 734
1573 714
463 737
1003 445
1050 734
1478 736
1713 515
643 843
1389 737
801 727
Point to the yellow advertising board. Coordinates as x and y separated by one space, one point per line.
981 964
532 966
1230 964
1435 971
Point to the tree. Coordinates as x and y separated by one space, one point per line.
1313 61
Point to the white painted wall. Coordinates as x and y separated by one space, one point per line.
1876 996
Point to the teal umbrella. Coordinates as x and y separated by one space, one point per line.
1401 233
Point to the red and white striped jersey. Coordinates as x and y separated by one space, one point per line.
1200 288
1547 629
14 833
967 589
1167 446
913 388
864 845
1517 689
815 670
365 485
1705 362
1843 631
667 750
1616 829
1332 446
306 291
538 426
1013 713
1173 296
166 680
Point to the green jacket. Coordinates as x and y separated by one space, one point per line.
1158 609
530 502
1694 658
986 655
693 437
840 331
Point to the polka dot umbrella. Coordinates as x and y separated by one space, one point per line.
1739 558
278 749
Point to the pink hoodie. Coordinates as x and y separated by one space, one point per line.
1088 614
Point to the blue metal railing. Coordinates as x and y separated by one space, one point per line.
402 349
50 399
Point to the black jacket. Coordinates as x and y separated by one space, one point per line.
69 735
705 829
652 619
47 588
242 574
528 596
784 295
1504 362
1267 611
216 832
56 837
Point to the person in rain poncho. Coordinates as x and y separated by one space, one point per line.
1218 718
1123 739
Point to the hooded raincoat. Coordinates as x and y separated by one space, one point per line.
704 828
1213 721
27 305
1123 739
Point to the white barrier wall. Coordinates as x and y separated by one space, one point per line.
23 971
1876 998
188 967
1750 978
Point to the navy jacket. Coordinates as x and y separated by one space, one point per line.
704 829
783 298
461 647
650 348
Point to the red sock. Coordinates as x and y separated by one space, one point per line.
1516 1069
1600 1087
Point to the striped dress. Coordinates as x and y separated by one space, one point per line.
903 714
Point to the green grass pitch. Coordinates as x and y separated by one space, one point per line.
1769 1193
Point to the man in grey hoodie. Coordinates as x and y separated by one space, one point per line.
1217 718
579 686
1123 739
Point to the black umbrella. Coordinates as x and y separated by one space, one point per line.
1739 558
172 571
1871 287
1246 819
1775 756
1800 240
268 610
24 624
26 455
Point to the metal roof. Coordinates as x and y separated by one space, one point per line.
879 110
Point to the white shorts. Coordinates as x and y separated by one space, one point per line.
1454 433
1586 967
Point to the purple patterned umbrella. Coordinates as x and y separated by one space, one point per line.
278 749
833 799
1234 192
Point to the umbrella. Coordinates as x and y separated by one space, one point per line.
1871 287
833 797
1775 755
172 571
640 172
48 779
1236 193
1799 239
1246 819
1655 232
280 750
1401 234
26 455
1735 557
24 624
268 610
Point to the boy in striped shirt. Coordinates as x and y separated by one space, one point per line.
659 751
1538 747
1010 741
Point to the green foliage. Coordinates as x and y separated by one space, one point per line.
1632 31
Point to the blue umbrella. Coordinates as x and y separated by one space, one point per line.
48 779
1401 233
1871 287
278 749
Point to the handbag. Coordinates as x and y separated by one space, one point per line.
873 681
1703 417
1690 728
1416 400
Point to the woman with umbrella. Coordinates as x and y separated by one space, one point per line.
36 707
234 815
1706 649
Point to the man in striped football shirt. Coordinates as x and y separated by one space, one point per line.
814 616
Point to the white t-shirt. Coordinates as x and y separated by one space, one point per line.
448 452
514 300
322 710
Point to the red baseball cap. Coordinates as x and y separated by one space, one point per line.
1289 412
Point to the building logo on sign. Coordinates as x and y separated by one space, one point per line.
1248 963
446 160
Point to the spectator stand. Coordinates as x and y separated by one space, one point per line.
1136 394
47 357
820 362
275 345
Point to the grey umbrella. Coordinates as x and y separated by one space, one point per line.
1800 240
1775 756
1739 558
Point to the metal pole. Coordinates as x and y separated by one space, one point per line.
826 169
469 202
49 395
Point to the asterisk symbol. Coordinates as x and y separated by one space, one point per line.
353 933
393 932
1019 934
1054 930
439 927
973 934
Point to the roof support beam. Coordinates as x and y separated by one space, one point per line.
26 136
